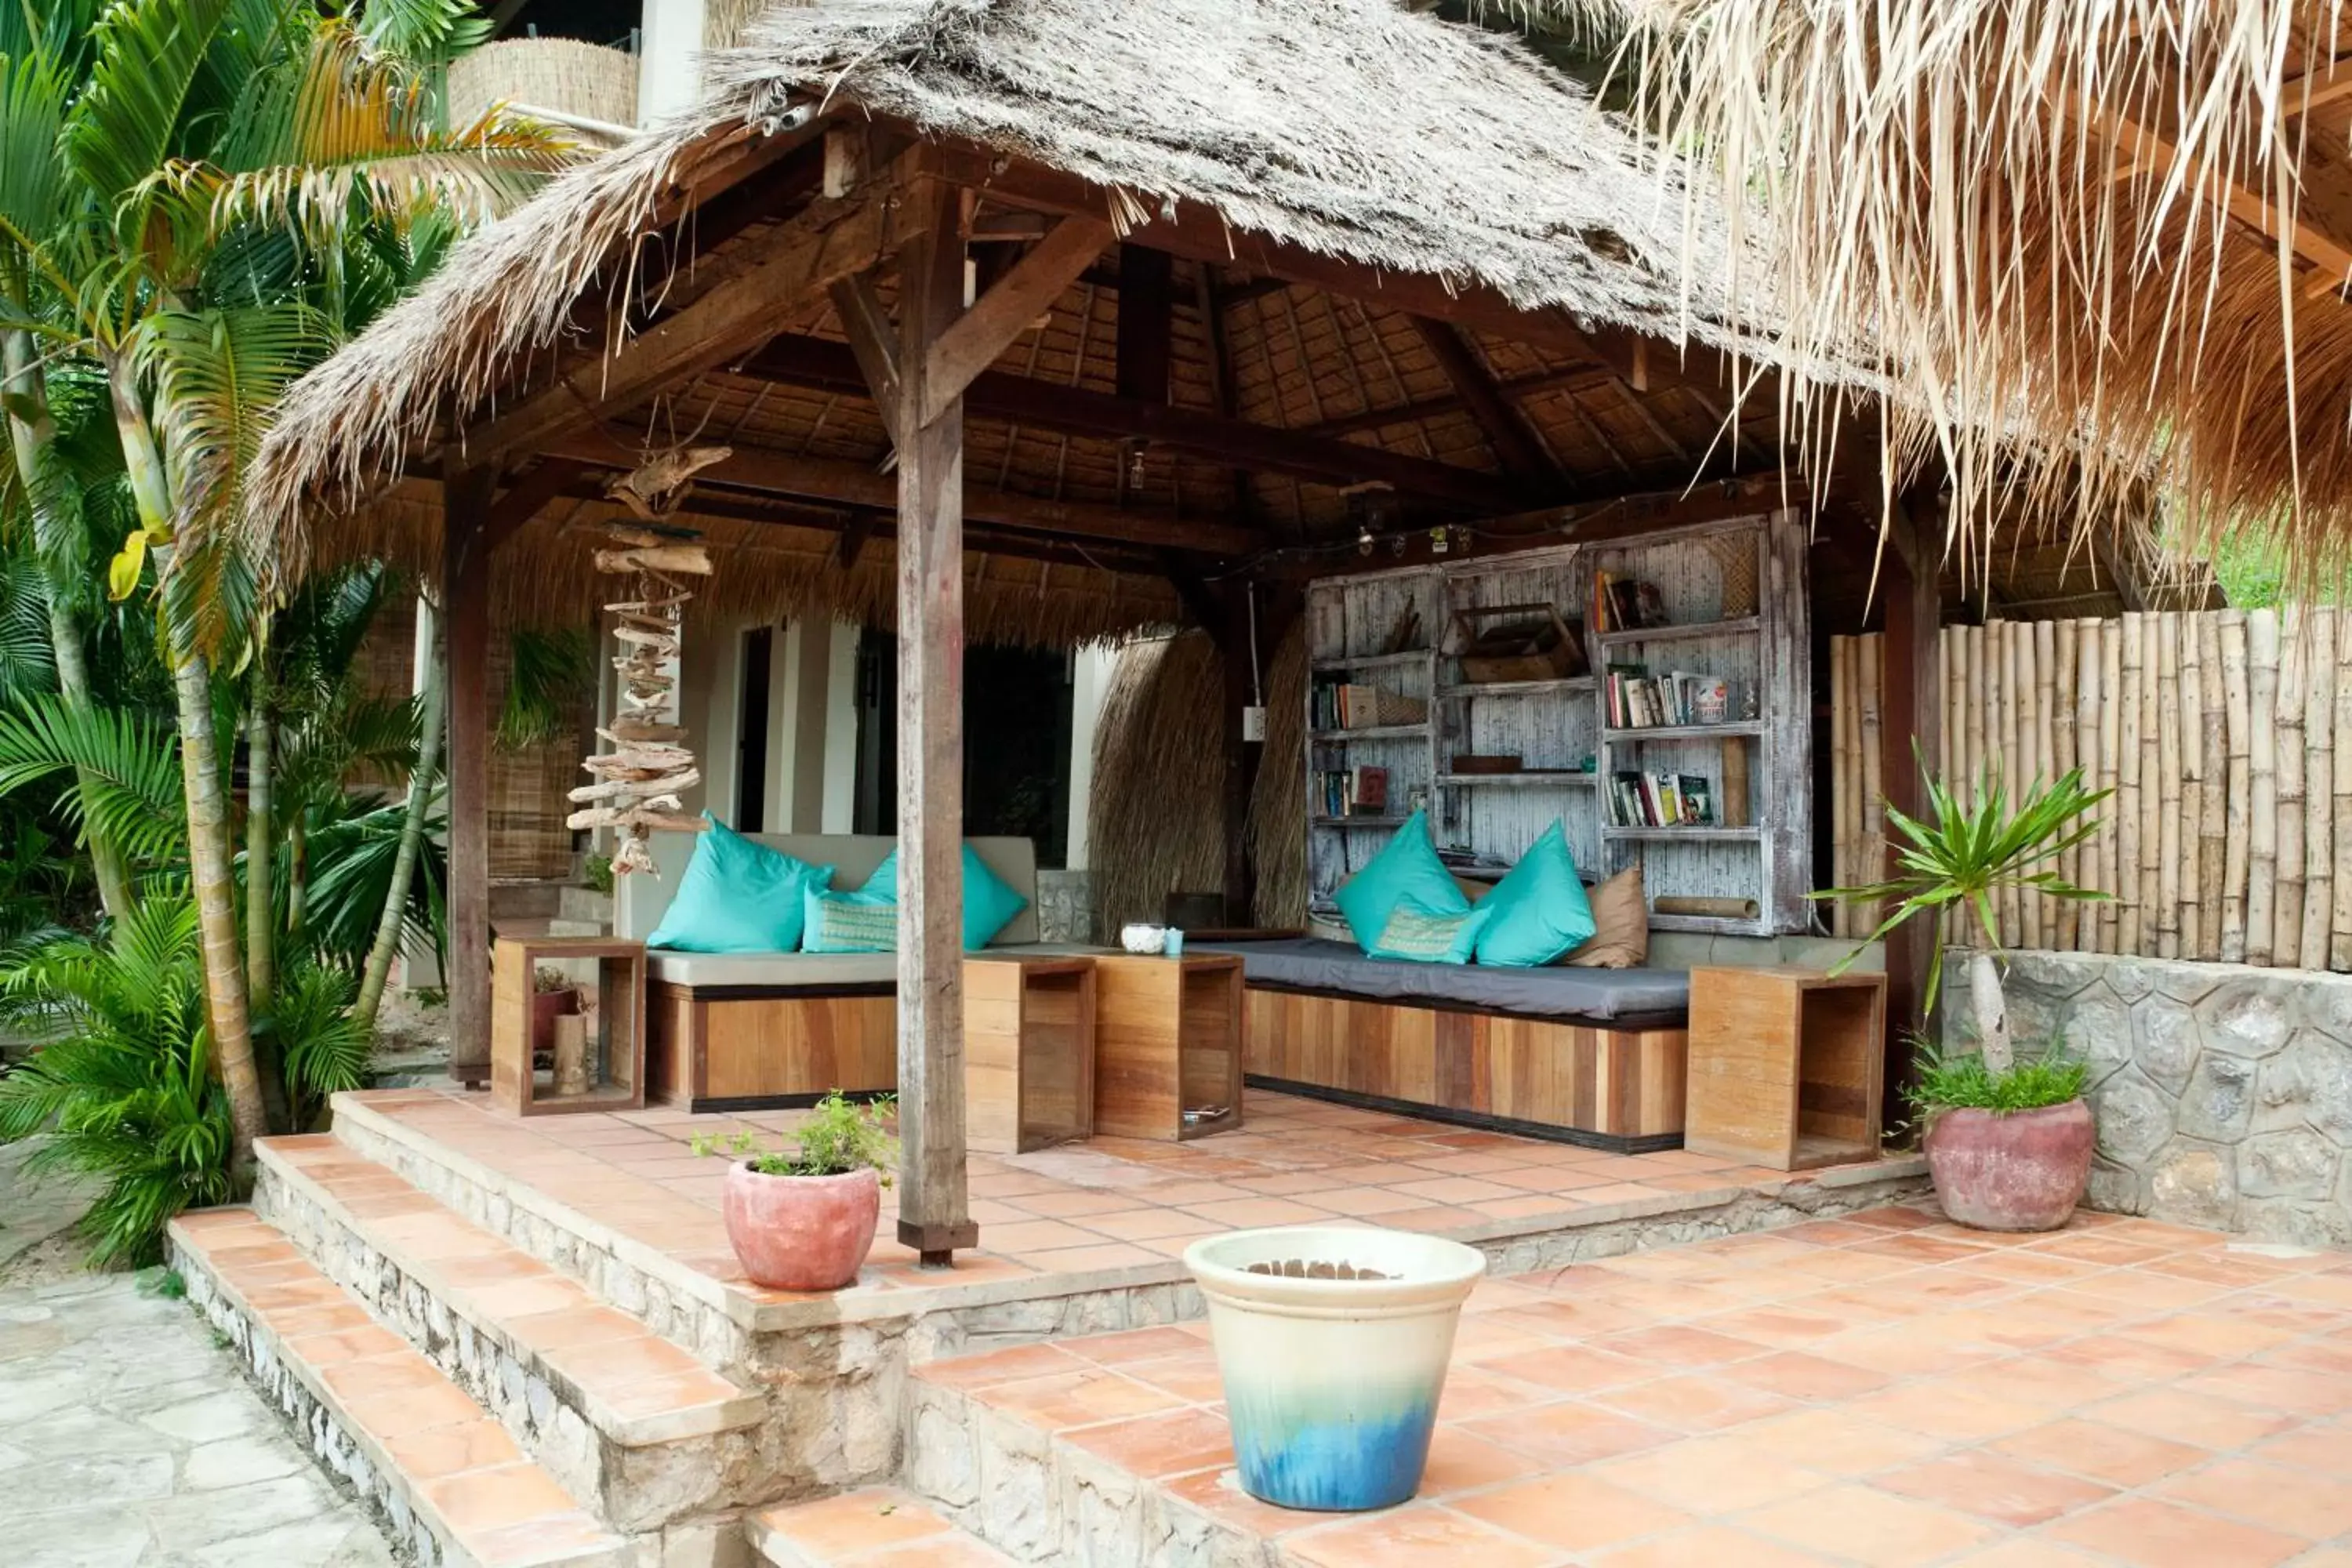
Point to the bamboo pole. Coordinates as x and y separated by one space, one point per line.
1951 646
2190 701
2318 789
1842 790
2166 626
2013 731
2286 908
2069 865
2153 920
2027 702
2111 739
2043 644
1871 841
2090 706
2339 939
2238 790
2261 774
2127 792
2213 746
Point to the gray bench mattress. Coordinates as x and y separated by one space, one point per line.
1653 998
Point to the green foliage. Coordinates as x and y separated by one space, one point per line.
354 856
552 675
1969 849
163 1284
1961 1081
599 871
840 1136
130 784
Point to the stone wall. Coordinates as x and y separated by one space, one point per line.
2223 1092
1065 906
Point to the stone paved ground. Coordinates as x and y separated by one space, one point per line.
129 1438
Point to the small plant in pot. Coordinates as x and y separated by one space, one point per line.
802 1220
554 994
2009 1139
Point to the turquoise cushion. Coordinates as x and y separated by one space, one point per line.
1408 869
1423 935
737 896
1538 909
989 901
862 921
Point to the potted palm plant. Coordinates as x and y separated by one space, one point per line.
804 1219
2008 1139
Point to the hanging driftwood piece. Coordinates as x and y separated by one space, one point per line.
642 779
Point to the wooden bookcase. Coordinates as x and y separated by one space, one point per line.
1553 725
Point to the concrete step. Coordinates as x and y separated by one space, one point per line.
455 1488
874 1527
648 1437
584 904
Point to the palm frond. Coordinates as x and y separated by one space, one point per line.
126 770
121 128
33 91
217 373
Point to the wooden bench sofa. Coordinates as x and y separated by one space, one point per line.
757 1031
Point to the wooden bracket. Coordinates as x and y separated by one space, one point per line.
874 341
971 344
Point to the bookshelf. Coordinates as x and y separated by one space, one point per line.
1558 724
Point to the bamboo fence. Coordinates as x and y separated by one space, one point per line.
2219 732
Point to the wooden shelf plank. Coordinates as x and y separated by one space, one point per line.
1737 728
1389 822
1520 780
1371 732
1372 661
1746 626
1517 688
1695 834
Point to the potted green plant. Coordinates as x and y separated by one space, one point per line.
802 1220
2009 1142
554 994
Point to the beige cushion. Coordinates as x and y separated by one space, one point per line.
1620 925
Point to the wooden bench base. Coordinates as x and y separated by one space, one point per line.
1616 1090
740 1047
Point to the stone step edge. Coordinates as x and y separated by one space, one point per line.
1040 1498
568 1540
794 1536
747 1409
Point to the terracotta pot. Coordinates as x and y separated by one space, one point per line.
800 1233
2021 1171
546 1006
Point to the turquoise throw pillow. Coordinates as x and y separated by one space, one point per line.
1539 910
737 896
1408 869
989 901
862 921
1429 936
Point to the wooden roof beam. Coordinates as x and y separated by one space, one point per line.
1514 441
1074 410
831 481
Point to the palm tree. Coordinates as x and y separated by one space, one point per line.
207 167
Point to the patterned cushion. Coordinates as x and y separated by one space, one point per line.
1423 935
850 922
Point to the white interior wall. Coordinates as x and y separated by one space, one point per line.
839 789
1089 684
668 71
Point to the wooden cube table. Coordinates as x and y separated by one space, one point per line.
1785 1066
616 1026
1028 1051
1168 1044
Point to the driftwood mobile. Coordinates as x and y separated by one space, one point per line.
1159 310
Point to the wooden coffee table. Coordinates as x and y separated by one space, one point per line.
1168 1044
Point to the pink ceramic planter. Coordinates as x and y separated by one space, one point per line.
2022 1170
800 1233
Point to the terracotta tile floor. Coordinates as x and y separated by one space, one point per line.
2120 1392
1107 1204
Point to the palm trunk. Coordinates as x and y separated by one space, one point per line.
411 834
1991 1011
297 874
260 883
31 440
211 872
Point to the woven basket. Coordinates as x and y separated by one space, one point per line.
1737 555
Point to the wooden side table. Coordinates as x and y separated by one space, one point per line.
1168 1044
1785 1066
1028 1051
615 1025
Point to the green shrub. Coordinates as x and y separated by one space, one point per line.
840 1136
1961 1081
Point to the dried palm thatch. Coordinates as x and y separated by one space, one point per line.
1278 798
2119 228
1348 128
1157 821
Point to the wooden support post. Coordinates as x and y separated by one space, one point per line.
1910 711
934 1206
1241 758
465 545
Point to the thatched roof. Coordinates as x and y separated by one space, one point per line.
1349 128
2119 228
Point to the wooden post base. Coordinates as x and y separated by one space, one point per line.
936 1245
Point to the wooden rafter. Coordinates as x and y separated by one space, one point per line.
1514 441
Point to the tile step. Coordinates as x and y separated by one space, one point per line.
641 1429
874 1527
457 1490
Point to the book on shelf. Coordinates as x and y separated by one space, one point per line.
1359 705
1361 791
1662 799
1622 603
1640 700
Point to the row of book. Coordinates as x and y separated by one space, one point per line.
1622 603
1355 705
1359 791
1660 800
1640 700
